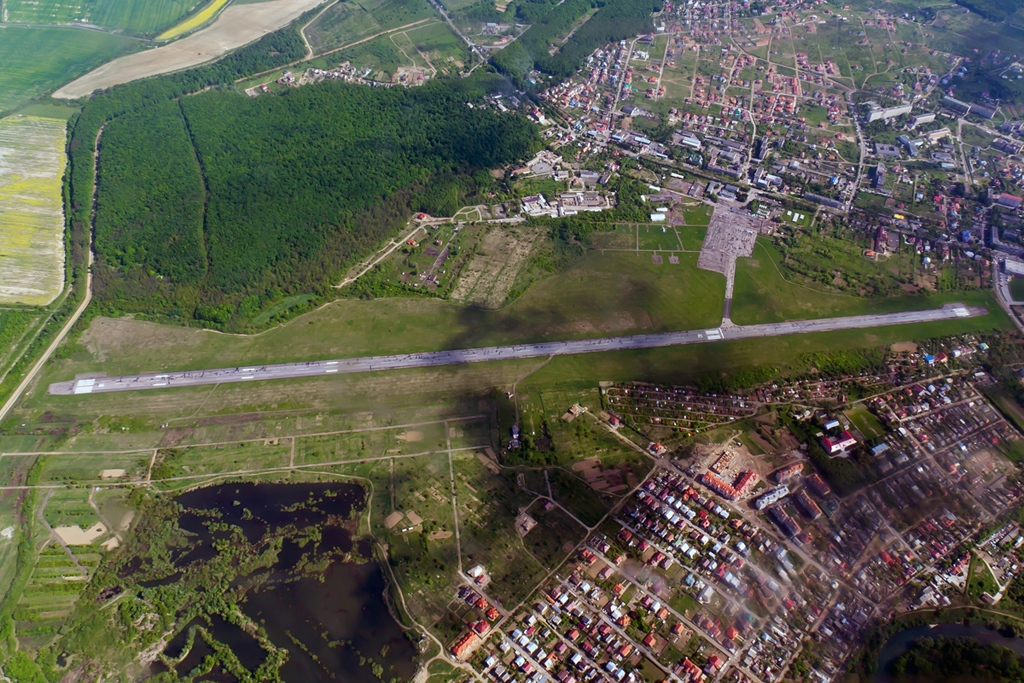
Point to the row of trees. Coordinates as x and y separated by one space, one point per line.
149 208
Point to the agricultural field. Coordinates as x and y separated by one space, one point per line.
195 21
234 27
31 210
132 16
37 60
442 50
428 48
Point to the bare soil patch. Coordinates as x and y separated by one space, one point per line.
76 535
492 272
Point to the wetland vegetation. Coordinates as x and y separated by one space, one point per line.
240 581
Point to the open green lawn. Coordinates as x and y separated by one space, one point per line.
864 421
981 580
131 16
1017 288
37 60
764 295
438 44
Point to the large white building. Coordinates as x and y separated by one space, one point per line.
877 113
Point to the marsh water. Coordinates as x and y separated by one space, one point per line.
330 614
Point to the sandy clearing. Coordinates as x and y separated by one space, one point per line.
235 27
76 535
126 520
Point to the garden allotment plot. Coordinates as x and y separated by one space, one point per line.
31 212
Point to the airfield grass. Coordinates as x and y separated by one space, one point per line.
764 295
37 60
609 294
253 408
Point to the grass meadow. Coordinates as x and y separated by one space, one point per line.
346 22
764 295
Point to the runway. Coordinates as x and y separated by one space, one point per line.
253 373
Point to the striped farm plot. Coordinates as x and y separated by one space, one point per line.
31 210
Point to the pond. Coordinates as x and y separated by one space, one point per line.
330 614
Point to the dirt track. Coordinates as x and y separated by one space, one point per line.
236 26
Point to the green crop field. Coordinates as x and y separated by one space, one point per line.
31 210
132 16
37 60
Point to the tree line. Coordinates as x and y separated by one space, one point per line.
614 20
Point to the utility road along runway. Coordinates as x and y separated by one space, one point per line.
191 378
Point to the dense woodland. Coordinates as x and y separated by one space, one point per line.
212 206
150 210
272 50
994 10
957 659
614 20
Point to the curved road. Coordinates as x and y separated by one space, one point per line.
191 378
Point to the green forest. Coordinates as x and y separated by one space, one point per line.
297 186
995 10
139 221
957 659
614 20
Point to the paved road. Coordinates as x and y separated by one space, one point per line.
191 378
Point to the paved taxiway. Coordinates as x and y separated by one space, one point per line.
191 378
